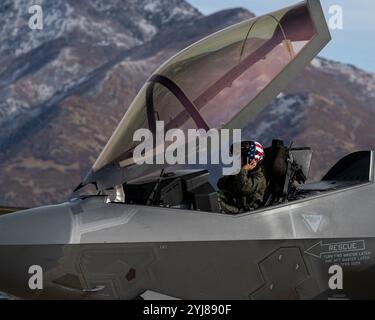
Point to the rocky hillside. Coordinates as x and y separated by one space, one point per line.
329 107
80 41
64 89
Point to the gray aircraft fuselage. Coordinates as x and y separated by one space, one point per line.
90 249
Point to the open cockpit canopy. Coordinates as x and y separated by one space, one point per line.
222 81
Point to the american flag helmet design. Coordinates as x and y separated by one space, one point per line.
255 151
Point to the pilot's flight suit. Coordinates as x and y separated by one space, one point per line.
243 192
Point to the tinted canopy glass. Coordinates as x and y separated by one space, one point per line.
208 84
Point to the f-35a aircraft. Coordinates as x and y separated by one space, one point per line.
156 229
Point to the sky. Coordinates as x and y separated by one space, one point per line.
354 44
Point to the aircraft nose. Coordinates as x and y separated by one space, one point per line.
39 226
29 238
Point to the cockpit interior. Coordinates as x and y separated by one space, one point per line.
287 173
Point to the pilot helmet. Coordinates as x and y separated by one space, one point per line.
251 150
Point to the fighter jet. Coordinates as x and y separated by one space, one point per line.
156 230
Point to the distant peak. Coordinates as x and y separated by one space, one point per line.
328 65
240 12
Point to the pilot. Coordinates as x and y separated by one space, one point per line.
245 191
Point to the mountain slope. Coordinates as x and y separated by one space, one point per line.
329 107
56 118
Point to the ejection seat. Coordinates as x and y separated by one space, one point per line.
284 167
